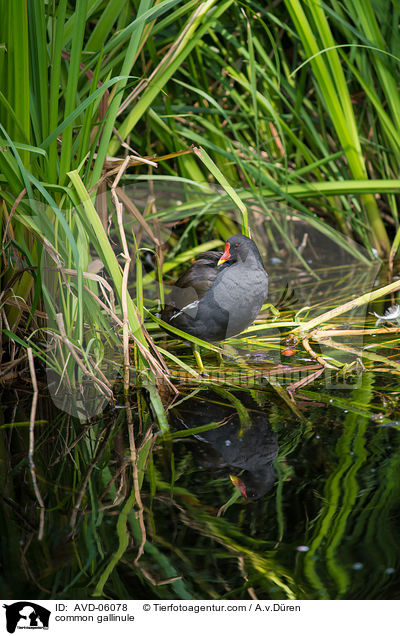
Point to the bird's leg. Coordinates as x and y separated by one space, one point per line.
197 355
220 359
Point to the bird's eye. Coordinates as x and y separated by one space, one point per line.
237 245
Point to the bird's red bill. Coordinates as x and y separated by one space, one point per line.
226 255
239 484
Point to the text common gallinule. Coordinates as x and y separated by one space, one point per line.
221 294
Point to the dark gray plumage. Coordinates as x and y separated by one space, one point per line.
221 294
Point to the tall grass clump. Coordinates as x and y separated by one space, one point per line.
295 110
68 72
292 105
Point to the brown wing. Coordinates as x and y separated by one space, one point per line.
201 274
193 284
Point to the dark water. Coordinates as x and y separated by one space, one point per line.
321 518
127 513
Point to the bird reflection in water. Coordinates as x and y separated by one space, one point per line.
245 453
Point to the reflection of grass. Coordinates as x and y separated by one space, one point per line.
341 490
347 495
144 516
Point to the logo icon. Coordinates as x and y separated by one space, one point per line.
26 615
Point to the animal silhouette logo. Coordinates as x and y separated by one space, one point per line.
26 615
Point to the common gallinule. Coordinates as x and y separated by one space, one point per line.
221 293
